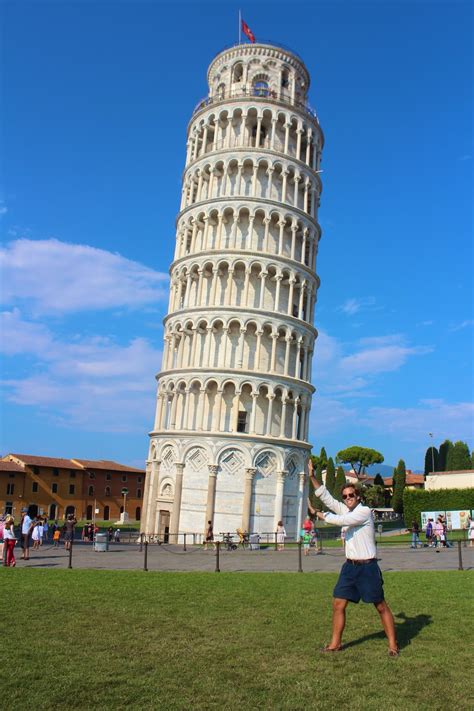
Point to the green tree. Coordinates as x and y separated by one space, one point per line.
399 481
472 459
379 480
374 496
330 476
458 457
443 454
359 458
431 460
323 458
340 481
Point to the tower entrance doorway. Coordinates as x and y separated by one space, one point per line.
164 526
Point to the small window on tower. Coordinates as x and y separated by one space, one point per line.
260 88
242 421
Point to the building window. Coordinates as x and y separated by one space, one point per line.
12 475
139 479
55 472
108 476
72 488
54 488
90 491
107 490
260 88
34 487
10 489
72 475
8 508
242 421
106 513
124 477
139 493
91 475
138 512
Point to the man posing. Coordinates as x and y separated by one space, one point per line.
360 576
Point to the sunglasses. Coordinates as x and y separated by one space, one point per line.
349 496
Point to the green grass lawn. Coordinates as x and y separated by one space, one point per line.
81 639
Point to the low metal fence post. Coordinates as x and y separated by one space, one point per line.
218 570
300 560
184 541
141 542
70 551
460 566
276 539
145 559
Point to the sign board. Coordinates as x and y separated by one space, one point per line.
380 528
124 491
457 520
97 511
425 515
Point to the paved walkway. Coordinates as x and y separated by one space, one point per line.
174 558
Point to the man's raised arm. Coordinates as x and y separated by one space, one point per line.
323 494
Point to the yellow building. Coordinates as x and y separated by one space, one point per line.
57 487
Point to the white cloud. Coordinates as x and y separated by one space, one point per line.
353 305
92 383
443 419
463 324
54 277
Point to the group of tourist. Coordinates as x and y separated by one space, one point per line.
31 534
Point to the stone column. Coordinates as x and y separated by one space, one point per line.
268 432
246 508
283 417
178 492
280 486
278 279
146 498
253 414
211 493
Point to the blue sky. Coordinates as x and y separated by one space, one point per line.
96 101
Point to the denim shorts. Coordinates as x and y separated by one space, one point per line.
358 582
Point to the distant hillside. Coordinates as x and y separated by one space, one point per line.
384 469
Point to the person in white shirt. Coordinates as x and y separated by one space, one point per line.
360 576
26 528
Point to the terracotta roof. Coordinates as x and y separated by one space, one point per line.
411 479
78 464
106 464
10 467
44 461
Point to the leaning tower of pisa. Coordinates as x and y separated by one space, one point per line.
230 438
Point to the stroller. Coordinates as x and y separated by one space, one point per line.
228 541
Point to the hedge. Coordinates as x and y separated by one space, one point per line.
417 500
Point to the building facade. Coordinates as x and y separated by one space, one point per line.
58 487
230 438
463 479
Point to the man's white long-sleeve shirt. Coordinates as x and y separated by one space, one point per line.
358 525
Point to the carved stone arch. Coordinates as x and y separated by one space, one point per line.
196 457
153 450
209 380
294 464
267 462
168 456
253 321
250 383
257 262
217 320
230 381
166 488
231 461
223 114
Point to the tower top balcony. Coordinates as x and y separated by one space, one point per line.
262 70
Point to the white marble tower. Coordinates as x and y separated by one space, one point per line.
230 439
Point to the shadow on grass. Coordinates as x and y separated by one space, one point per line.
407 629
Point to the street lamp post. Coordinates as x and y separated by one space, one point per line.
124 494
432 453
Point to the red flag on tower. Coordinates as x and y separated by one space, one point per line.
248 32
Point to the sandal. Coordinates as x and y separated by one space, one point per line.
394 652
327 648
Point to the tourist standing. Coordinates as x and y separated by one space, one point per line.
429 532
415 534
281 535
438 534
2 548
209 535
10 540
26 528
360 576
69 528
